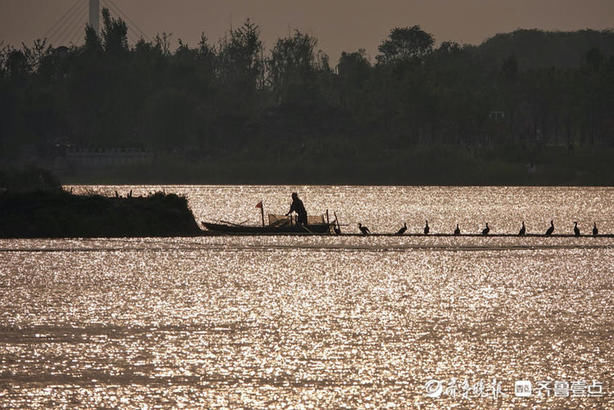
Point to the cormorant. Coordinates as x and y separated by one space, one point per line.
576 230
551 229
426 228
403 229
364 229
486 230
523 230
595 230
457 230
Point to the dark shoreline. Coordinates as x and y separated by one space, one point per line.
278 176
437 165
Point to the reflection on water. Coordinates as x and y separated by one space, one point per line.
320 321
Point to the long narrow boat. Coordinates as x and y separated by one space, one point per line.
320 229
278 224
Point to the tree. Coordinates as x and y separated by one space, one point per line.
240 57
17 65
114 34
35 54
92 41
405 44
354 68
354 71
292 66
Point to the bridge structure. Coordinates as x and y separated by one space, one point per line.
69 28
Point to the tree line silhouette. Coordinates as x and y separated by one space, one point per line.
418 109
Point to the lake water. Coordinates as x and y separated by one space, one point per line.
321 321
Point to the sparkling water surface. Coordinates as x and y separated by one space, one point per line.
265 321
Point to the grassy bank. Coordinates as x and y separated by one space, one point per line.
60 214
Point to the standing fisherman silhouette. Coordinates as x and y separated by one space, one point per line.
298 207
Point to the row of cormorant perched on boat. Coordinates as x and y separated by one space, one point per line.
523 229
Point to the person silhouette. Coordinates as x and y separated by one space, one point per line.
298 207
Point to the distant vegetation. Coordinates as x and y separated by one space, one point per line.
528 107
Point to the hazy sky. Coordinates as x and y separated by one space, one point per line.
339 25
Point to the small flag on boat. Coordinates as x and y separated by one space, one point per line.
259 205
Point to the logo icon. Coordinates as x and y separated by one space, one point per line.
523 388
433 388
